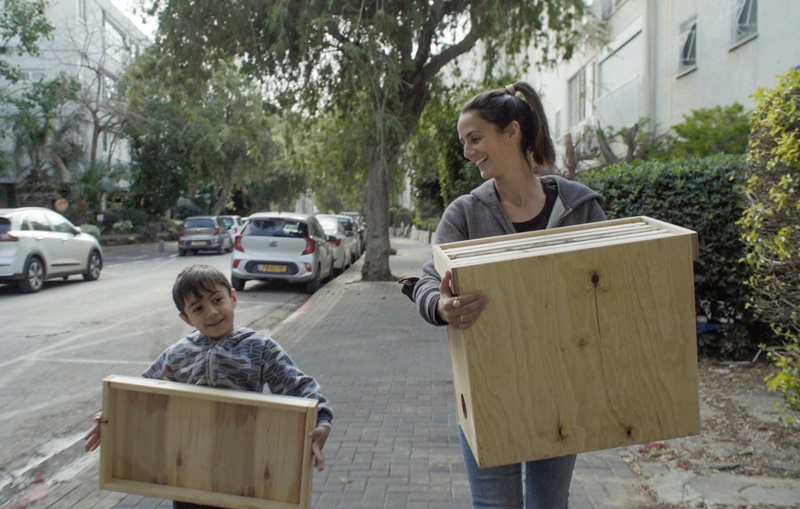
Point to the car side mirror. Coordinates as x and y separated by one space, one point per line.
76 230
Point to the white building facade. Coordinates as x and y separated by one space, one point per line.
666 58
94 41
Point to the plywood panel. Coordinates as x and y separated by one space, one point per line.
197 444
583 347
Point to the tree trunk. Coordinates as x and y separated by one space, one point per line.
376 257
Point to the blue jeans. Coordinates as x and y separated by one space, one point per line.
545 485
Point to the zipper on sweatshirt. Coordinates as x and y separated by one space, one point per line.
210 361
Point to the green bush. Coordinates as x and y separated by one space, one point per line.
91 230
771 226
701 194
125 215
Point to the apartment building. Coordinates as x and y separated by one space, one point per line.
93 41
666 58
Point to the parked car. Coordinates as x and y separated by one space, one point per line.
339 246
350 229
234 224
204 233
37 244
361 227
282 246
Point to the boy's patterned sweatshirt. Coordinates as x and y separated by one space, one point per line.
244 360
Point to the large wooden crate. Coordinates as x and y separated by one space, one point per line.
588 341
225 448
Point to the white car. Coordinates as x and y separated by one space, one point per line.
340 246
234 224
37 244
282 246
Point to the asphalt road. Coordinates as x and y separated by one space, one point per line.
58 344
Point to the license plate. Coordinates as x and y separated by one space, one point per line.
198 243
271 268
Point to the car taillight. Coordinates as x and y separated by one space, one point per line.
180 231
216 230
7 237
237 243
310 245
335 242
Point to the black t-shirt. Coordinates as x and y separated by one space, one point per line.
540 221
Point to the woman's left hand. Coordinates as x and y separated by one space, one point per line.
459 311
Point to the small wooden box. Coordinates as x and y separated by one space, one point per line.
235 449
588 342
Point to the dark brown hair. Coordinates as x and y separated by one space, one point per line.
500 107
197 280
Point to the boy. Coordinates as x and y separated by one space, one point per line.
219 354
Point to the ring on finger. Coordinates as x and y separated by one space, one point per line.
461 319
456 303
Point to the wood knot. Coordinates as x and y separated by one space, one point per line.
267 473
595 278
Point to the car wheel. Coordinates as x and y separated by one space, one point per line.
313 285
238 283
181 252
94 267
33 276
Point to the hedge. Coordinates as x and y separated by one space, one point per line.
704 195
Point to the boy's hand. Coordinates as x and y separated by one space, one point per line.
93 436
319 436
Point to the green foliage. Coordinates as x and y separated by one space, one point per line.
216 141
699 194
22 24
44 125
91 230
434 155
373 62
709 131
771 226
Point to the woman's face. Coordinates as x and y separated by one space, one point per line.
491 149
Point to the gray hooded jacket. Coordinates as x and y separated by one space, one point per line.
479 214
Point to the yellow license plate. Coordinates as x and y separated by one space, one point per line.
271 268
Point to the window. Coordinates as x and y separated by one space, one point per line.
745 20
39 222
607 7
688 38
60 224
31 75
619 84
114 42
577 98
110 87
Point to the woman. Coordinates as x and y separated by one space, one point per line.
507 137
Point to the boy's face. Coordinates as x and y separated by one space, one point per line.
212 313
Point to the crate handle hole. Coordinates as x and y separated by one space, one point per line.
464 406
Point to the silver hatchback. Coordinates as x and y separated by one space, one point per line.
282 246
204 233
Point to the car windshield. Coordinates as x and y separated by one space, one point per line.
5 225
277 227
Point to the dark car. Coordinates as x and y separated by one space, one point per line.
204 233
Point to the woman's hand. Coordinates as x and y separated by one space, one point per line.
319 436
93 436
459 311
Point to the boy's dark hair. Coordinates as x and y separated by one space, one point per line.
196 280
501 107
